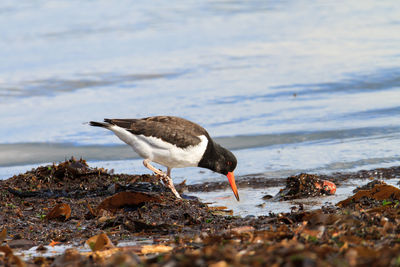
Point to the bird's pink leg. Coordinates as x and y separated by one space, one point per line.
164 177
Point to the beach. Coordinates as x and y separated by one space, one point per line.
305 94
70 214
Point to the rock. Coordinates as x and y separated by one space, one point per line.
305 185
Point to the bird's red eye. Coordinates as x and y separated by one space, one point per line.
229 163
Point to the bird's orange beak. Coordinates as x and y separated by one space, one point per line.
231 179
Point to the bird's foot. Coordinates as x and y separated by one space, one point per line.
168 183
163 177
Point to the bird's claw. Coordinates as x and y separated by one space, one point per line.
168 183
162 176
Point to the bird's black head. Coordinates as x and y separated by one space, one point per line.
218 159
226 162
221 160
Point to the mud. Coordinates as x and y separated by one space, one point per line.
72 204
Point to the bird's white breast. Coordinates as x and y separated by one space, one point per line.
162 152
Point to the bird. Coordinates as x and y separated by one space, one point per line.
173 142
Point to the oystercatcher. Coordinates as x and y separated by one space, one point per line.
174 143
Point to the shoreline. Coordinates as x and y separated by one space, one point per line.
179 232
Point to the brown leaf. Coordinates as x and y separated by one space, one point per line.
104 253
378 192
3 235
17 261
53 243
127 199
58 211
71 257
221 210
242 230
91 211
218 208
6 249
120 258
219 264
99 242
105 218
351 239
147 249
307 233
318 217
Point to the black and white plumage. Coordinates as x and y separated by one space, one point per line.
175 143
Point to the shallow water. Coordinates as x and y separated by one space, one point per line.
289 86
52 251
251 202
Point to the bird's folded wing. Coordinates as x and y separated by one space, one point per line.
175 130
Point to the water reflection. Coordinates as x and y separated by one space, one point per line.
53 86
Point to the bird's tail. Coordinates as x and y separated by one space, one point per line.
99 124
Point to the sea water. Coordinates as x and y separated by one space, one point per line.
288 86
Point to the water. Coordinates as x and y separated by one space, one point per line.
289 86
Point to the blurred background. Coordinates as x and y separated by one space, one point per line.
289 86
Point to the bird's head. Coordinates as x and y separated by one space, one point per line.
225 164
221 160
